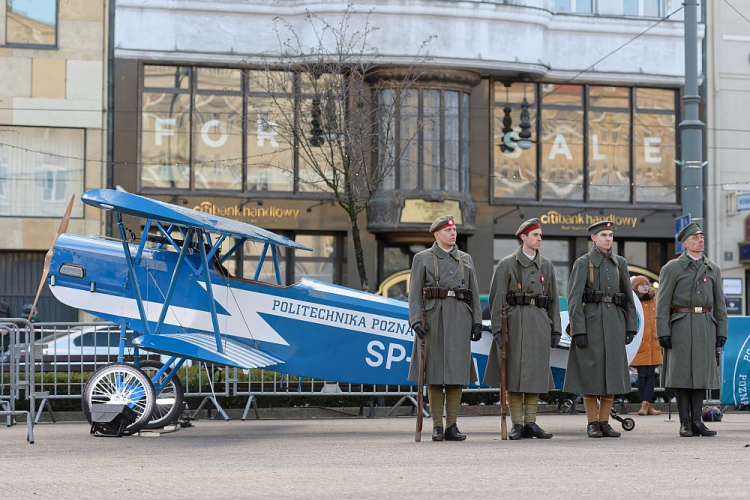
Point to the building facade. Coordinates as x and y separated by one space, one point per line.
727 95
600 83
53 62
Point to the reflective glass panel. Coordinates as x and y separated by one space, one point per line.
225 79
562 142
408 141
451 163
270 155
165 140
217 142
431 140
31 22
655 170
40 185
514 168
609 156
387 139
166 77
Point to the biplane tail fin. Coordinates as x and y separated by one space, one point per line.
202 346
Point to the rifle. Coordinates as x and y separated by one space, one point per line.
503 370
420 379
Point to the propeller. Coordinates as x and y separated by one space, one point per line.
48 258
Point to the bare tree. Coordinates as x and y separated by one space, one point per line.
342 122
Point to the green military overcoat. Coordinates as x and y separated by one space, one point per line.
691 363
530 329
601 367
449 320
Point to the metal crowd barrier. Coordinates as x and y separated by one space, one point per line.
61 356
14 375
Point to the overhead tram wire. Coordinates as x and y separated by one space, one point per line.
737 11
406 160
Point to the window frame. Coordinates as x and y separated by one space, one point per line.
537 107
574 6
192 91
83 159
641 9
464 171
17 45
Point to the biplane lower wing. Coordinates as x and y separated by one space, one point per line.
202 347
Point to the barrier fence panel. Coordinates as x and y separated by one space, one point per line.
17 372
59 358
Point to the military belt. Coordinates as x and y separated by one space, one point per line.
694 310
607 299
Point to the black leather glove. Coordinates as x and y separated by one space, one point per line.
665 342
581 340
629 336
555 340
476 333
419 330
720 341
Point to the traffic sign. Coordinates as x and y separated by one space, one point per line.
743 202
679 224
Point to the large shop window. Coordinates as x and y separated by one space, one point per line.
595 143
31 23
40 184
430 129
223 129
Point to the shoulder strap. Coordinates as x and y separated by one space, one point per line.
591 274
435 264
461 265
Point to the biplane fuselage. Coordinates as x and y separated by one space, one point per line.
162 292
313 329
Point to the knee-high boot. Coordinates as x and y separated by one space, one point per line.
683 409
696 410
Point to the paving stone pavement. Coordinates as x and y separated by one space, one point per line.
377 458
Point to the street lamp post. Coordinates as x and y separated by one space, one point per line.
691 128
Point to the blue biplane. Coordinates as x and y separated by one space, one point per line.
174 292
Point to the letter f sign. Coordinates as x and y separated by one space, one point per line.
162 128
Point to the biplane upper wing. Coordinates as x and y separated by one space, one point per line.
146 208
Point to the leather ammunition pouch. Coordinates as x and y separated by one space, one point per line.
434 292
593 296
528 299
619 299
543 301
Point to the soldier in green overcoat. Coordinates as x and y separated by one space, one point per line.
444 288
691 323
602 321
525 281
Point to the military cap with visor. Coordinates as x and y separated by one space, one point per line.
598 227
442 222
689 230
528 226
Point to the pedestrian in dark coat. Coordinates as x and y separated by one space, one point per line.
444 289
602 321
691 322
525 282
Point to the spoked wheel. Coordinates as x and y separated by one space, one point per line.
121 384
169 402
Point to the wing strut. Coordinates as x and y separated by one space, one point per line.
209 292
175 278
131 272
